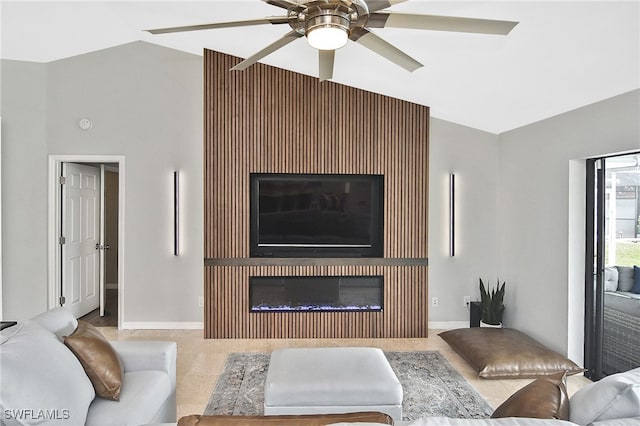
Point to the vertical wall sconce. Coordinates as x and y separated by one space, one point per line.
452 214
176 213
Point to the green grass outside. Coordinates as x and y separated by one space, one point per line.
627 254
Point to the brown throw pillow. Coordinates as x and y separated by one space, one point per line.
98 358
544 398
506 353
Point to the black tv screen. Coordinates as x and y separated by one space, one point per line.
316 215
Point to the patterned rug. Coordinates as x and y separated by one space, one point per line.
431 386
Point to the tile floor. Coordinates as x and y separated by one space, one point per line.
200 361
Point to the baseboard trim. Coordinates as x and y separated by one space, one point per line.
162 326
447 325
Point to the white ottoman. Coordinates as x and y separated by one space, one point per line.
331 380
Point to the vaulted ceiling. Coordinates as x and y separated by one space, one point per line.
562 55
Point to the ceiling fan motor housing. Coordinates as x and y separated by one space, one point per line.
327 15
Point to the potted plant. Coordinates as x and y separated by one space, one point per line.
491 303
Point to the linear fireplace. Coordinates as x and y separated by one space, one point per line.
316 293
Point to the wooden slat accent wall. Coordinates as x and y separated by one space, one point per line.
269 120
404 314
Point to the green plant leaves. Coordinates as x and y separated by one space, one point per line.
491 301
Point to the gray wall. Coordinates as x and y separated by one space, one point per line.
520 215
24 189
473 156
541 214
145 103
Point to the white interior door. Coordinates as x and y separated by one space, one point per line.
81 238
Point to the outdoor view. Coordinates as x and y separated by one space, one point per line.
621 307
622 211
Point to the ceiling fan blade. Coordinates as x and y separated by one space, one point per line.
440 23
325 62
285 4
260 21
384 49
281 42
376 5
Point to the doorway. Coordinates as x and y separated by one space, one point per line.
86 237
81 237
612 302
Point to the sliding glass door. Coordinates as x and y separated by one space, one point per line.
612 303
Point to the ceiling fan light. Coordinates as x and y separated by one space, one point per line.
327 28
327 37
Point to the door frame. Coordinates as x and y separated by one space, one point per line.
594 268
595 183
54 251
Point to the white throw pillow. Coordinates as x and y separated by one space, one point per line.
614 397
611 278
42 381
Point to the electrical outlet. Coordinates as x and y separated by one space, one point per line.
434 302
200 301
466 301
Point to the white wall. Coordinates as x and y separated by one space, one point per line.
145 103
541 211
473 156
24 190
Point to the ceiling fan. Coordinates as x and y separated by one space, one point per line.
328 24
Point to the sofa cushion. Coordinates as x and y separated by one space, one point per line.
625 278
629 421
42 382
142 395
611 278
98 358
544 398
58 320
613 397
503 353
636 280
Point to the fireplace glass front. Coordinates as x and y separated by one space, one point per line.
315 293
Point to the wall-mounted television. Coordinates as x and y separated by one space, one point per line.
316 215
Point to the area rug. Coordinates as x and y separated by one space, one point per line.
431 386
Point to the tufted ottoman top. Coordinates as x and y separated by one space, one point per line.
332 377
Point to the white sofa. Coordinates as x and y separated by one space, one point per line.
612 401
42 381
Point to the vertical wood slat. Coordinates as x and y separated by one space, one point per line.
404 313
270 120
